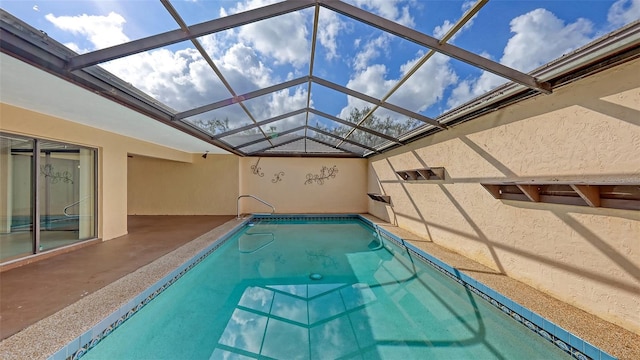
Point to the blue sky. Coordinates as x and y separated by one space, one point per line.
520 34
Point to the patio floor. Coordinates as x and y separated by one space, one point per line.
35 291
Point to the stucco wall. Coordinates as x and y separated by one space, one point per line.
112 158
587 131
343 193
163 187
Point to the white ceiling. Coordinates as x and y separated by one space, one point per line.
25 86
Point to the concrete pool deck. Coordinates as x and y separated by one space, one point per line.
48 335
34 291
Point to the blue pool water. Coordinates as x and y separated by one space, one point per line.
313 290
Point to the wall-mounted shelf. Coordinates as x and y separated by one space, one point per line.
379 197
593 195
434 173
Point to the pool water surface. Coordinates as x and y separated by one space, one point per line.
318 290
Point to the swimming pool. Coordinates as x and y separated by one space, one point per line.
255 296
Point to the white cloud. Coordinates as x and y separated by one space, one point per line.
426 87
285 38
471 88
423 89
371 81
623 12
76 48
213 44
242 67
467 5
101 31
395 10
281 102
440 31
183 79
180 78
539 37
248 5
329 28
370 51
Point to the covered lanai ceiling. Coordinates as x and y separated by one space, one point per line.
314 77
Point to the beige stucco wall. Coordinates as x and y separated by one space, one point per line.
344 193
112 158
589 131
164 187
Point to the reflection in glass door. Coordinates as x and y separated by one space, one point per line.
66 188
46 201
16 197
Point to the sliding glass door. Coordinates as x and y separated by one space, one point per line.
66 194
16 197
48 201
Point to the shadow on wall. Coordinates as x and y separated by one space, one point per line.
562 212
530 144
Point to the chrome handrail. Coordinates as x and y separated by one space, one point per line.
379 238
64 211
255 198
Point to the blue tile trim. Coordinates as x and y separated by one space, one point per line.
288 218
566 341
560 337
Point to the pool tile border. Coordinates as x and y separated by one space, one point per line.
563 339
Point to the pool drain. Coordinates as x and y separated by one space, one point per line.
315 276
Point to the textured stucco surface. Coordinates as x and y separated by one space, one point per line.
201 187
588 131
343 193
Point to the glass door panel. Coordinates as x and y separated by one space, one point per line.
16 197
66 193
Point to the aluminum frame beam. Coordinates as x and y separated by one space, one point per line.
341 153
257 141
375 101
260 123
345 152
448 35
314 40
340 139
194 31
239 98
433 43
354 126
